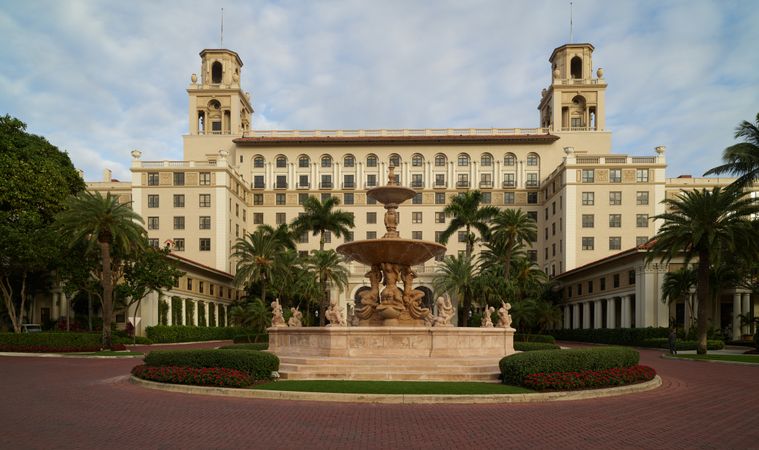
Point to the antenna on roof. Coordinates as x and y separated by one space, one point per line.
570 23
221 45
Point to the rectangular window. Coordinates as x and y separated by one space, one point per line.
205 244
417 199
508 198
189 284
588 243
590 287
416 217
532 180
532 198
462 236
439 217
327 237
487 198
179 244
280 182
588 220
348 198
204 200
631 277
615 175
371 235
440 198
371 217
204 222
348 181
602 283
302 198
179 200
588 175
281 218
486 180
371 180
153 178
258 218
588 198
178 178
258 199
615 198
579 289
438 235
509 180
205 178
281 199
153 201
615 220
615 243
532 255
641 198
462 180
440 180
348 237
179 222
615 280
641 220
326 182
416 235
258 182
152 223
553 229
302 239
416 180
641 175
153 242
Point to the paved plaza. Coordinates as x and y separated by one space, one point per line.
88 403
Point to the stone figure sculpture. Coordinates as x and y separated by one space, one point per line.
335 314
370 298
445 313
296 320
487 322
277 319
391 299
412 297
504 318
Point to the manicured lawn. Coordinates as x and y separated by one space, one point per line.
392 387
107 353
739 358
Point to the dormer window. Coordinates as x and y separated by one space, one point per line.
216 72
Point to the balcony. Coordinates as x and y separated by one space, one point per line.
462 184
417 184
280 185
349 185
509 184
531 184
258 186
325 185
305 185
486 184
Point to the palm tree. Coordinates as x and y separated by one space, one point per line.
742 159
466 212
457 276
114 228
328 266
256 255
511 229
320 217
677 286
706 224
252 314
528 279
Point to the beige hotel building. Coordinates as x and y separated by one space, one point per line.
592 206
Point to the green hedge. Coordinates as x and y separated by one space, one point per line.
544 338
682 345
515 367
257 346
181 333
250 338
50 342
533 346
614 336
258 365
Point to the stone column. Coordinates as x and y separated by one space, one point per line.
195 312
598 314
746 309
567 318
736 312
625 311
169 317
586 315
610 313
575 316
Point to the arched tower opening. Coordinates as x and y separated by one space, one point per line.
575 68
216 72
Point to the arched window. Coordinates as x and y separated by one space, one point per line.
395 160
326 161
533 159
575 67
463 159
304 161
440 160
509 159
214 104
349 161
417 160
281 161
258 161
486 160
216 71
371 161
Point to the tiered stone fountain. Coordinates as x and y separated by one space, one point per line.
395 339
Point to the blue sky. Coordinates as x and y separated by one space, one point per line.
101 78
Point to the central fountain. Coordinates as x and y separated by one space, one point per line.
396 337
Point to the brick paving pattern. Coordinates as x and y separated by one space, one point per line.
87 403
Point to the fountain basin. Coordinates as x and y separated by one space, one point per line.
408 252
391 194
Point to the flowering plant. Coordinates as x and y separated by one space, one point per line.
208 376
588 379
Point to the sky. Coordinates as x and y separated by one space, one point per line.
100 78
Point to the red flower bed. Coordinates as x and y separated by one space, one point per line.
588 379
29 348
210 376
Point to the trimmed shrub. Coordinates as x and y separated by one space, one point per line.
514 368
250 338
681 345
534 346
258 365
209 376
258 346
588 379
161 334
544 338
50 342
613 336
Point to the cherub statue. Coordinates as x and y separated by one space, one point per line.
369 298
277 319
296 320
487 322
335 314
445 313
504 318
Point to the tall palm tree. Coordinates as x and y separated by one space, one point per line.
111 226
742 159
256 255
706 224
527 279
329 267
457 276
252 314
511 229
319 217
467 212
677 286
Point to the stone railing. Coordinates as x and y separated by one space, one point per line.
399 132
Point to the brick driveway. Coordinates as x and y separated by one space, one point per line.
86 403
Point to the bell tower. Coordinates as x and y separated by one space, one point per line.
575 100
218 106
